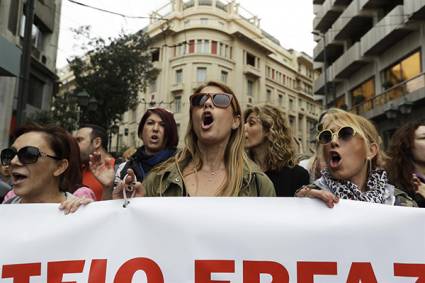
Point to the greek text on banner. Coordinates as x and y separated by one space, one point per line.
212 240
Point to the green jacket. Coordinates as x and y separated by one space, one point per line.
169 183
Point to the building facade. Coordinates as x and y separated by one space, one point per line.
45 35
200 40
371 54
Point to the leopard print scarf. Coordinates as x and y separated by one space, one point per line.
375 187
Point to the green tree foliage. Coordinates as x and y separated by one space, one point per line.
113 72
64 112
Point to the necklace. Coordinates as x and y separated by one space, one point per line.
211 179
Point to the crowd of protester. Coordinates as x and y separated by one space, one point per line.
226 152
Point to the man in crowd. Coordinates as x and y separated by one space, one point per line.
98 164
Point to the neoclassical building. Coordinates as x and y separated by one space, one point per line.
200 40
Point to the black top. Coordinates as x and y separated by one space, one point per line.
287 180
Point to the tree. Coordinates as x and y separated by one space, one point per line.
64 112
113 72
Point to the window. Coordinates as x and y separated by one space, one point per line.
213 47
221 49
201 74
403 70
250 59
192 46
301 104
37 35
291 104
177 104
268 95
152 85
280 99
363 92
13 16
36 97
181 49
179 76
155 55
204 21
224 76
205 46
250 88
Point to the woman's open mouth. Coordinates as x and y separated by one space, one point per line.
335 159
154 139
18 178
207 120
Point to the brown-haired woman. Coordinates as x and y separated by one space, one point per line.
158 131
213 161
269 143
351 148
406 167
44 164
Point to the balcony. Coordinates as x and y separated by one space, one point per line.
333 49
410 91
319 83
415 9
385 33
252 71
177 87
327 15
353 23
350 62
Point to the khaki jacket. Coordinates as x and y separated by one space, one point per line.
169 183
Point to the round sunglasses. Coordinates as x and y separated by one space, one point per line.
221 100
26 155
343 134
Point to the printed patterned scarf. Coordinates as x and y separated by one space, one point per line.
375 187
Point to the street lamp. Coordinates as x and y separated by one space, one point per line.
85 102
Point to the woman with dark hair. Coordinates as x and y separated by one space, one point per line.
213 161
44 164
269 143
351 147
158 131
406 167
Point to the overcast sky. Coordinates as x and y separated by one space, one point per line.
290 21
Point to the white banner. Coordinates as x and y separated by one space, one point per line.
217 240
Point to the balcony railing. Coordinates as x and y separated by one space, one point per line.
400 90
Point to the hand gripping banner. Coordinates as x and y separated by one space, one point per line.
212 240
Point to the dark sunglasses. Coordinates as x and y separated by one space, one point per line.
221 100
343 134
26 155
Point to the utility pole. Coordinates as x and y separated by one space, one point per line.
24 77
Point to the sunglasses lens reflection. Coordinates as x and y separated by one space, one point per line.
221 100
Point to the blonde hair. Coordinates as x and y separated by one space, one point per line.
235 156
364 128
281 149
